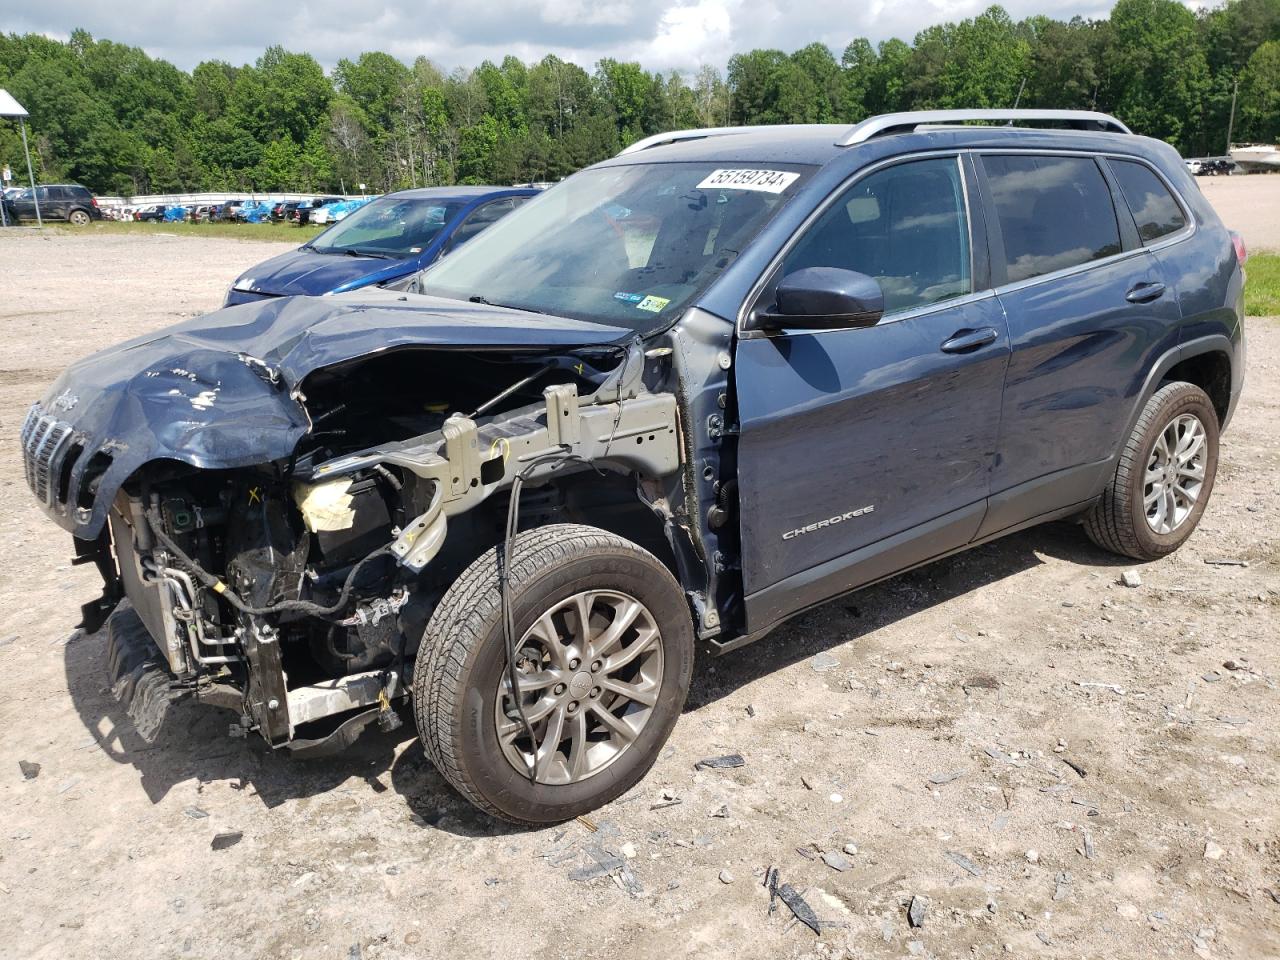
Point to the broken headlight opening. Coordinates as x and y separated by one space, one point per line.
299 590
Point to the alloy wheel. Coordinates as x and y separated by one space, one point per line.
1175 474
590 673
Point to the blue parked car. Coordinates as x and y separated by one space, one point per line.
690 392
384 240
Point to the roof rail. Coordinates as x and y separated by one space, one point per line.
906 122
677 136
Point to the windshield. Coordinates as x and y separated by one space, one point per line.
628 245
396 227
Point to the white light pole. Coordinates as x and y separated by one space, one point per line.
10 107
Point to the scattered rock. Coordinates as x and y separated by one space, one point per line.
195 813
1033 856
30 770
964 863
1212 851
836 861
628 850
1130 578
721 812
751 710
918 910
851 849
799 907
836 798
726 877
227 838
824 662
938 779
1062 886
727 762
1078 768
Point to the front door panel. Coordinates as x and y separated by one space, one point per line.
863 433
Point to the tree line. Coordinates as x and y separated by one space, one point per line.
109 116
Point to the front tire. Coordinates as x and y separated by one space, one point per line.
1164 478
605 652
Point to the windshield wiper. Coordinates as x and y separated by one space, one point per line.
506 306
350 252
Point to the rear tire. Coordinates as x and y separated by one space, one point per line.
78 218
1164 478
612 697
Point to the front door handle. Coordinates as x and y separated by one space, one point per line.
1145 292
962 341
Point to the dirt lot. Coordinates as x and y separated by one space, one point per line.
925 750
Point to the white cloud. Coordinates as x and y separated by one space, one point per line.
669 34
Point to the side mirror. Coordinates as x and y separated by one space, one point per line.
823 298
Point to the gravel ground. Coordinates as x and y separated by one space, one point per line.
1050 763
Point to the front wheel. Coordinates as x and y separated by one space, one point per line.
1164 478
604 654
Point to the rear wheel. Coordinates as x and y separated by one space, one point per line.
78 218
1164 478
604 654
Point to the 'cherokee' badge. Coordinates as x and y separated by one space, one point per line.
829 522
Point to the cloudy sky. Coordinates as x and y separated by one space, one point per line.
663 34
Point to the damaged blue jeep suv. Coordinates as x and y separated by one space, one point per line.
686 394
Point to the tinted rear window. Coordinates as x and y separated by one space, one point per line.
1154 210
1054 213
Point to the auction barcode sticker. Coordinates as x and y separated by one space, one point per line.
766 181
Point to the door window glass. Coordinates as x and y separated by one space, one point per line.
905 226
1154 210
1054 212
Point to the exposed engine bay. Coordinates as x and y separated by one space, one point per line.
299 588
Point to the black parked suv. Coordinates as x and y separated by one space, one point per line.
59 201
688 393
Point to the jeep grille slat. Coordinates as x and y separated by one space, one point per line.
44 442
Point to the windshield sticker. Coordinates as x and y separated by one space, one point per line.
653 304
765 181
628 297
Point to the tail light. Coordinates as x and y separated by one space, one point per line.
1237 241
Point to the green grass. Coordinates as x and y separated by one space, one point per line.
1262 286
283 232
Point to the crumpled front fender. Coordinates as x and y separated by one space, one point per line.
227 415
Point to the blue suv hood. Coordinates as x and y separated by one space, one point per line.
304 272
223 390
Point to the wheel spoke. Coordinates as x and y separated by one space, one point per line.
578 745
624 617
548 750
619 728
1153 496
583 603
646 696
641 644
1158 521
531 682
1191 445
544 629
1171 509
